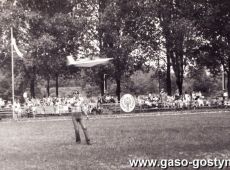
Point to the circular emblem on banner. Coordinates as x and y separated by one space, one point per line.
127 103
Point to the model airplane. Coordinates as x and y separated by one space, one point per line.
86 62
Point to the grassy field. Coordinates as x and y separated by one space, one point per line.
49 145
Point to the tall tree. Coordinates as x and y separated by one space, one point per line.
58 27
214 24
122 34
179 33
11 17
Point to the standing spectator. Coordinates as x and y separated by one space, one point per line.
193 95
187 99
178 101
225 96
2 103
163 97
177 95
17 108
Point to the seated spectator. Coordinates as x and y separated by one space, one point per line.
170 102
8 105
103 99
112 100
200 102
150 97
107 99
187 97
198 95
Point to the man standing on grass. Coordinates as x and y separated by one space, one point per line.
76 110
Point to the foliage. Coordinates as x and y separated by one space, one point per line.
213 23
179 32
199 79
121 22
141 83
134 33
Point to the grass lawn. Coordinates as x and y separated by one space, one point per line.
49 145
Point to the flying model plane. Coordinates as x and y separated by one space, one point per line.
86 62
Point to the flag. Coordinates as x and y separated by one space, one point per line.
15 47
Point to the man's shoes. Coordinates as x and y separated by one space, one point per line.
89 143
78 141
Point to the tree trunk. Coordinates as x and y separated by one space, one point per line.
56 80
169 54
179 82
179 73
228 83
48 87
177 59
102 85
118 90
32 88
32 82
168 78
101 4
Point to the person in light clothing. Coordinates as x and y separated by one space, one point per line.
225 97
187 99
17 108
77 110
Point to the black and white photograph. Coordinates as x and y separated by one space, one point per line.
114 84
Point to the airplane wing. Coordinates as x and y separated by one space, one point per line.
87 62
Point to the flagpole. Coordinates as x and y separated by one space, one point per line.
12 70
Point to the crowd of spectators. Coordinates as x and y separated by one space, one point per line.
106 98
56 105
59 105
186 100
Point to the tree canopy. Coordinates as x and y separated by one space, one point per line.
136 34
